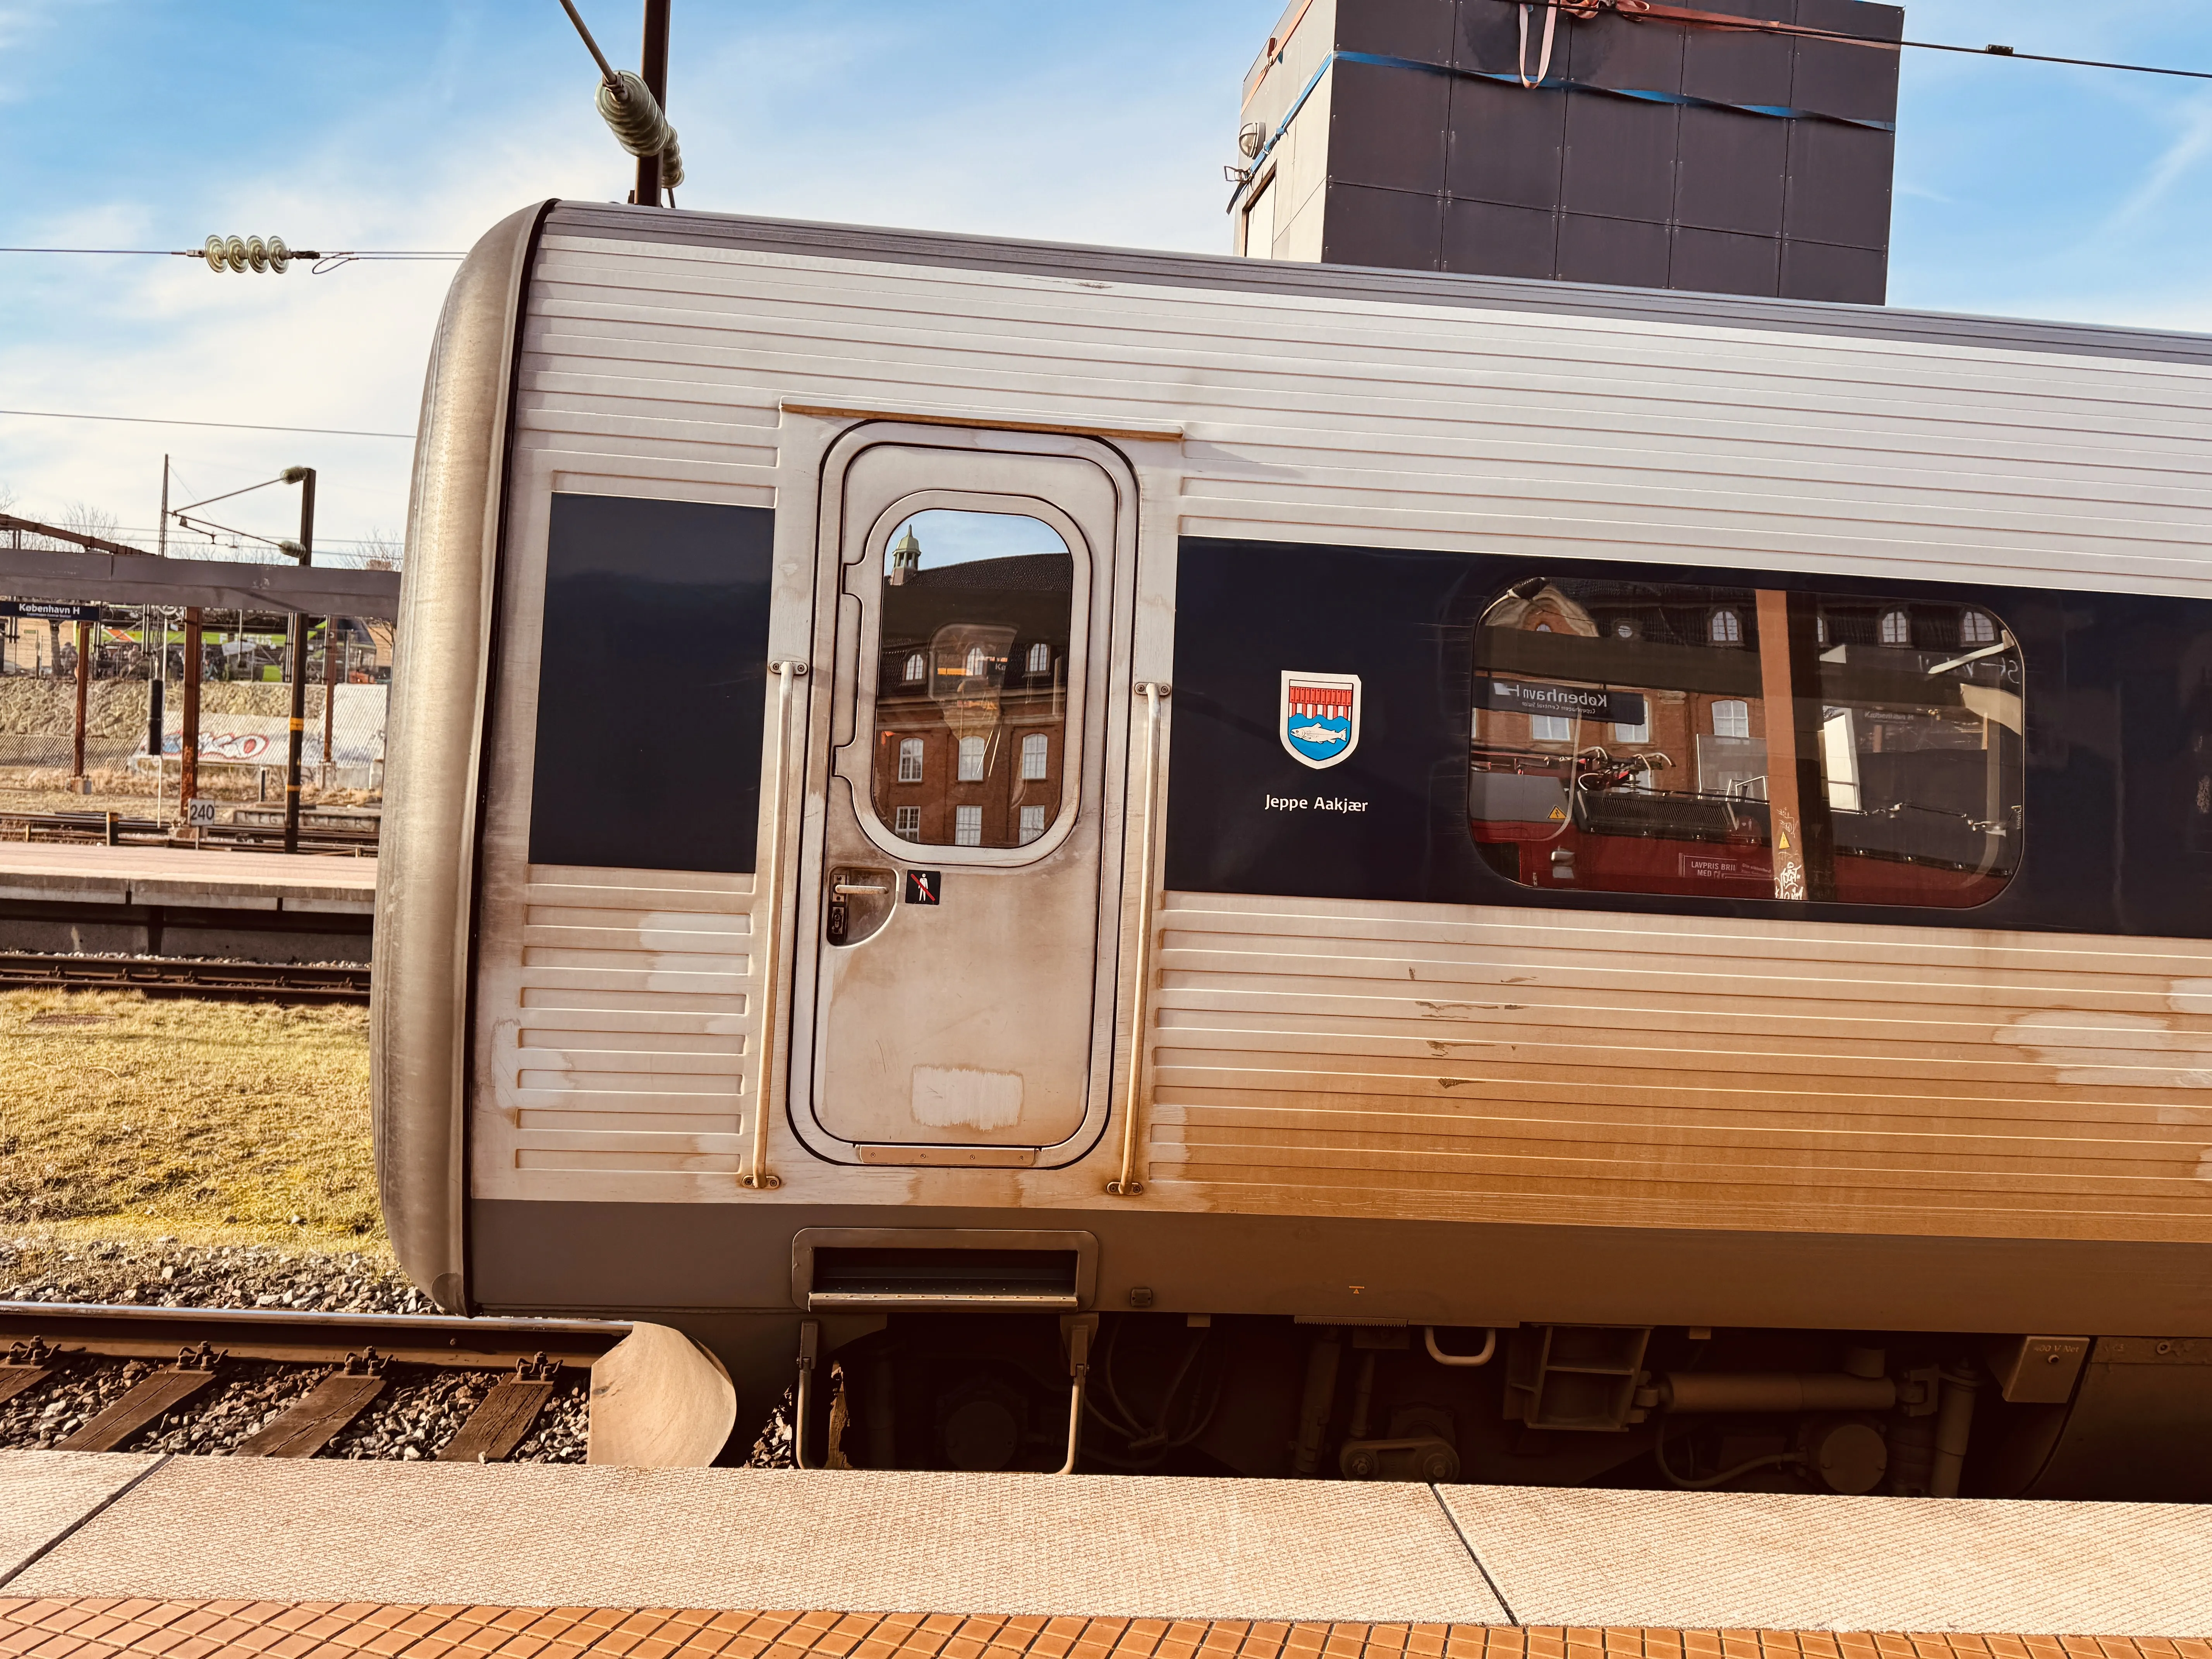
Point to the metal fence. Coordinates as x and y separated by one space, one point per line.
71 743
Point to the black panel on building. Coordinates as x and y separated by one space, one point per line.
1654 153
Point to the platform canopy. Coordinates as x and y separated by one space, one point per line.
215 583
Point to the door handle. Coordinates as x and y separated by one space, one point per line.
1128 1186
787 673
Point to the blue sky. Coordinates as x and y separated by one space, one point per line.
2023 190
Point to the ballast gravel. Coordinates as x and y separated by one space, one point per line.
163 1273
419 1410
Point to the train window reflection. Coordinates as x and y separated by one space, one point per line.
971 694
1816 746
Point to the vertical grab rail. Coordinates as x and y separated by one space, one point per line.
787 673
1127 1185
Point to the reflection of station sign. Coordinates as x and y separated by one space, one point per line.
1592 703
48 611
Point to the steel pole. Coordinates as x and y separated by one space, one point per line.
84 630
188 714
298 670
653 71
329 697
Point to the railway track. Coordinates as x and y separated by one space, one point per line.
184 977
256 832
258 1383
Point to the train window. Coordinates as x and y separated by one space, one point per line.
1807 750
617 779
960 589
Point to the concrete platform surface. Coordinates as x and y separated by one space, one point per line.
195 1529
1758 1559
43 1496
213 878
540 1535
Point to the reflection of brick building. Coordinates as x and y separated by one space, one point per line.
971 699
1716 741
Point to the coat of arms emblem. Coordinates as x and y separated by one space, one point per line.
1319 717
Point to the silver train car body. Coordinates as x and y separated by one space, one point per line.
1222 1039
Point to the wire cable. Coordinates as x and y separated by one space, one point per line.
1683 1483
226 426
1635 9
298 253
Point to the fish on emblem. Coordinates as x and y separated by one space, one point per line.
1319 719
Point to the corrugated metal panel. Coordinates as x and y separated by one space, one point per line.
620 1036
1429 1060
787 238
1313 420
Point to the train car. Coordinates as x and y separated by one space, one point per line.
1120 860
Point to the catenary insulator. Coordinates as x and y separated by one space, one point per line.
639 126
247 252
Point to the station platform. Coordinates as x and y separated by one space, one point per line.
184 901
289 1557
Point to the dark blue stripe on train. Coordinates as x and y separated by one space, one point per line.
2117 820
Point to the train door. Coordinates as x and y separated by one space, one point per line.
961 977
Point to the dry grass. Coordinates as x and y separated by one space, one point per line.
218 1122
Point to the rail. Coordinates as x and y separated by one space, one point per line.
654 1398
184 977
319 832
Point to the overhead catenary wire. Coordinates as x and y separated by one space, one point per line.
1654 11
216 252
225 426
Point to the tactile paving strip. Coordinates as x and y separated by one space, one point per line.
107 1628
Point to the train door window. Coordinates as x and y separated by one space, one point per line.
1810 746
960 589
